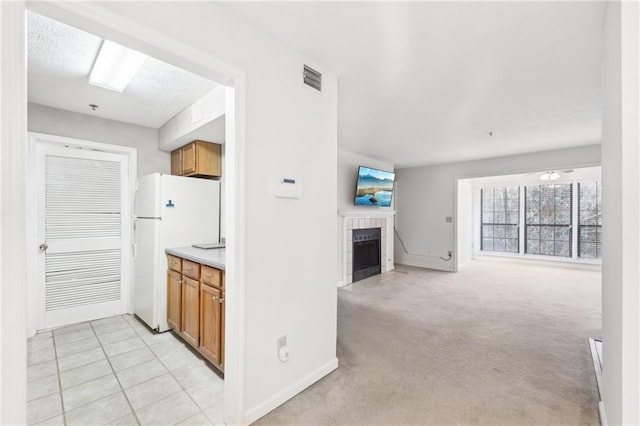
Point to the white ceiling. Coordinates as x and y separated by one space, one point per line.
424 83
60 58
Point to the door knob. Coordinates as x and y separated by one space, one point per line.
44 246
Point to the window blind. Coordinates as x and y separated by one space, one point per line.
590 220
500 216
548 219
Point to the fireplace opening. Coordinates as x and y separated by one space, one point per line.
366 253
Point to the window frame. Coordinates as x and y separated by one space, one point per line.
477 246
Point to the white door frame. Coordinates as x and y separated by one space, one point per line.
33 294
13 135
94 19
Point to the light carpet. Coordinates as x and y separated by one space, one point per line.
502 342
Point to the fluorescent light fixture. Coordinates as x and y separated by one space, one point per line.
549 176
115 66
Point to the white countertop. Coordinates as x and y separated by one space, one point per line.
212 257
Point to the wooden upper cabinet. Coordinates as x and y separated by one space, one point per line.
189 160
176 162
174 299
198 159
191 311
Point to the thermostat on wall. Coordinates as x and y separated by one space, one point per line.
288 187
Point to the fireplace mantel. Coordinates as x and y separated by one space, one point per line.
367 213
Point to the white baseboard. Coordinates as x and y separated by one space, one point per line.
603 414
286 394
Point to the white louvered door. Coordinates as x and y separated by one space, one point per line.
80 200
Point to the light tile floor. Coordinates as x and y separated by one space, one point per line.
116 371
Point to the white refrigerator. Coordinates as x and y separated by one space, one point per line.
170 211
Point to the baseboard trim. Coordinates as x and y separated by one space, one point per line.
603 414
286 394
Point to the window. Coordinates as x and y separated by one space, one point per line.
548 219
560 219
589 220
500 219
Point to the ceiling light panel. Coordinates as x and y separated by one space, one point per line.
115 66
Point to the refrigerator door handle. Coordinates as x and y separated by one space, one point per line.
135 240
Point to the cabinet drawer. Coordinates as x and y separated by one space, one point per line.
191 269
174 263
212 276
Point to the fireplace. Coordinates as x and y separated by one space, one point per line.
366 253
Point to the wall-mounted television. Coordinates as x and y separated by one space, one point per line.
374 187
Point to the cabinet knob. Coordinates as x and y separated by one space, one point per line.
221 300
215 298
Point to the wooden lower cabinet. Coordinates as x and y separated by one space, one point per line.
195 307
174 299
191 311
210 320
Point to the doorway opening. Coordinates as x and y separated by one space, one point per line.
544 215
121 352
548 225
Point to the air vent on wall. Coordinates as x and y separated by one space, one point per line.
312 78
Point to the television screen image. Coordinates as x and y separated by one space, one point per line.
374 187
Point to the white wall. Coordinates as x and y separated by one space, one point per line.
179 130
465 222
291 131
425 196
59 122
348 163
621 215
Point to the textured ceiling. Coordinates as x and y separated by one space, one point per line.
425 82
60 58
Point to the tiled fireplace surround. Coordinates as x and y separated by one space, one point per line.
357 220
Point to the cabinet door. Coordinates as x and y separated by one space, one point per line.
210 324
191 311
174 299
176 162
189 162
209 159
222 309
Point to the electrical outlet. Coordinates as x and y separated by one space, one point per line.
283 349
282 342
